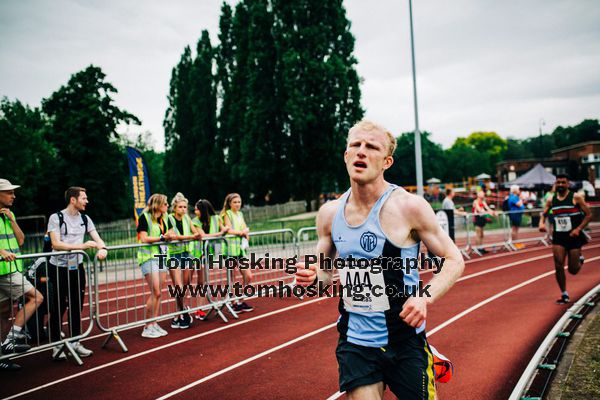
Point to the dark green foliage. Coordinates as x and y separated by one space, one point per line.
587 130
516 150
402 172
82 128
178 122
320 91
264 146
463 161
27 158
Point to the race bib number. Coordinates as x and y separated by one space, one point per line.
563 224
358 293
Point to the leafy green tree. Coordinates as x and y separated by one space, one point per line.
206 154
263 144
178 123
464 160
587 130
83 121
225 53
539 146
320 88
28 159
516 149
233 78
403 171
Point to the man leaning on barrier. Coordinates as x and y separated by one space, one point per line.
13 285
67 229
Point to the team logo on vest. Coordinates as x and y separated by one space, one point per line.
368 241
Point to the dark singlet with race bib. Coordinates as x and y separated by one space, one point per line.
567 216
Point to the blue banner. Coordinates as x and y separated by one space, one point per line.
140 181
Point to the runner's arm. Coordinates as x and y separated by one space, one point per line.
579 200
307 274
542 223
439 243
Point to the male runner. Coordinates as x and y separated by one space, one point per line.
571 214
382 339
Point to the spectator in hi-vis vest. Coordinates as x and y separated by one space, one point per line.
236 247
154 228
182 226
13 284
210 225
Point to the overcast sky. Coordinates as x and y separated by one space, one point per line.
481 64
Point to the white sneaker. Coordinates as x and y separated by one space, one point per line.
82 351
150 332
160 330
55 355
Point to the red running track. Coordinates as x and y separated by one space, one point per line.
285 349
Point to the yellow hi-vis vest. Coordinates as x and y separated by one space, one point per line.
147 253
197 250
234 244
178 248
8 242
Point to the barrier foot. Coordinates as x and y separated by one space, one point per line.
68 347
115 335
230 309
220 314
465 254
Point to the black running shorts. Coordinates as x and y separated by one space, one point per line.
406 367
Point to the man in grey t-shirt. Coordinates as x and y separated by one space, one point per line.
67 229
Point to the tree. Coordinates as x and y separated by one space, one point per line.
320 88
28 159
403 171
263 144
206 155
233 74
587 130
178 123
516 149
465 160
83 121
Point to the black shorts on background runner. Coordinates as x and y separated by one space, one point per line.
406 367
568 242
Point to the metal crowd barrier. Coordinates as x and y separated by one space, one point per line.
51 284
121 291
273 248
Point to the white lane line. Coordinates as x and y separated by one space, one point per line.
165 346
247 360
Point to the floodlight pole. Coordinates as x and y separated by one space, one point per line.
419 164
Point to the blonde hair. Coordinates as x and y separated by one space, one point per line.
227 202
154 203
178 198
366 125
